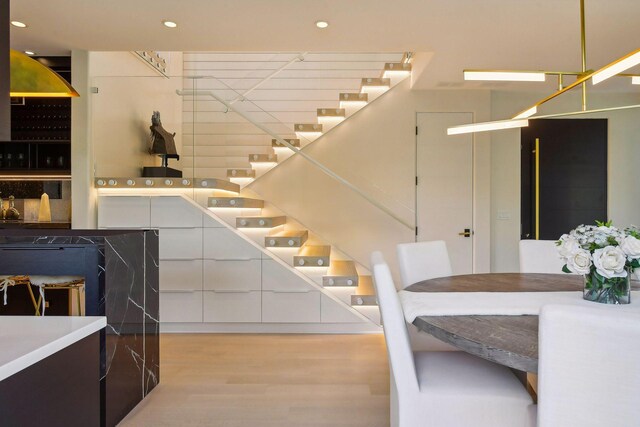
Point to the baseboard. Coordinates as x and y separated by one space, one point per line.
271 328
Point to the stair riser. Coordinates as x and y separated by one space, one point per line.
312 261
329 281
363 300
260 222
234 203
284 242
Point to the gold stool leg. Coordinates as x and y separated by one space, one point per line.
36 305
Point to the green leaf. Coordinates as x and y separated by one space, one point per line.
565 269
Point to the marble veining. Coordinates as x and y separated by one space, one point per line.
123 286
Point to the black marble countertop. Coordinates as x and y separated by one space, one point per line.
7 223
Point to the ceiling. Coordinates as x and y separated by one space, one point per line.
502 34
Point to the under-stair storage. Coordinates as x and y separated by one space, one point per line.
212 276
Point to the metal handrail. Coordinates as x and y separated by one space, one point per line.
313 161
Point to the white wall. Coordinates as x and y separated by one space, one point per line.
110 129
128 93
375 150
624 158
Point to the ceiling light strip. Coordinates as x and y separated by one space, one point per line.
575 113
487 126
507 76
616 67
508 124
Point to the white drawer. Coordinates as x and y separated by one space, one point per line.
174 212
181 306
332 312
232 306
180 243
291 307
124 212
222 243
232 275
181 275
276 277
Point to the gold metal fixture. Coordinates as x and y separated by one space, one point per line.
466 233
537 151
615 68
30 78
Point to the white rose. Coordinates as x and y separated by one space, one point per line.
631 247
580 262
610 261
568 246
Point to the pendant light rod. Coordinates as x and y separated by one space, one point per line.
583 48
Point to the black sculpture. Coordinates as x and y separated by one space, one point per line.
163 145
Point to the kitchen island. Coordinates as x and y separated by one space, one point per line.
120 271
50 370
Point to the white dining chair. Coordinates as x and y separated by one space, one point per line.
540 256
588 370
444 389
423 261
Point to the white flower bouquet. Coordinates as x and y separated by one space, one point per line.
606 256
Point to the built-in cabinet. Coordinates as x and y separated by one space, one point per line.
210 274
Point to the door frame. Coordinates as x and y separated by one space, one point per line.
481 192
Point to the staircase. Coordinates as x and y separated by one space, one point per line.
279 235
301 250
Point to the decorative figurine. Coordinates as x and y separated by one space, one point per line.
3 211
163 145
12 212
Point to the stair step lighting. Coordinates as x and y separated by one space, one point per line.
260 222
396 69
294 238
234 202
293 141
373 84
353 99
263 159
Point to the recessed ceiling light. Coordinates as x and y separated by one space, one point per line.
18 24
29 52
322 24
169 24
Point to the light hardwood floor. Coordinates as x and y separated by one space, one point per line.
222 380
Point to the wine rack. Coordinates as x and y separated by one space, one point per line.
40 131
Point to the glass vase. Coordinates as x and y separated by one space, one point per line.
616 290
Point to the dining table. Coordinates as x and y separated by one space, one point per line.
510 340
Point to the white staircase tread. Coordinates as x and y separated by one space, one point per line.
313 256
395 67
260 221
293 141
331 112
365 293
263 158
241 173
376 82
308 127
341 273
234 202
289 238
354 97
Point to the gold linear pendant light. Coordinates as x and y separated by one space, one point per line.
615 68
30 78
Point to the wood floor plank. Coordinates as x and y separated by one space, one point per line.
241 380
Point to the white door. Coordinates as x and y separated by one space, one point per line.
444 191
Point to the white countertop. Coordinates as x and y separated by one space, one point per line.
26 340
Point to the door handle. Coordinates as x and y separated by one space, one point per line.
466 233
